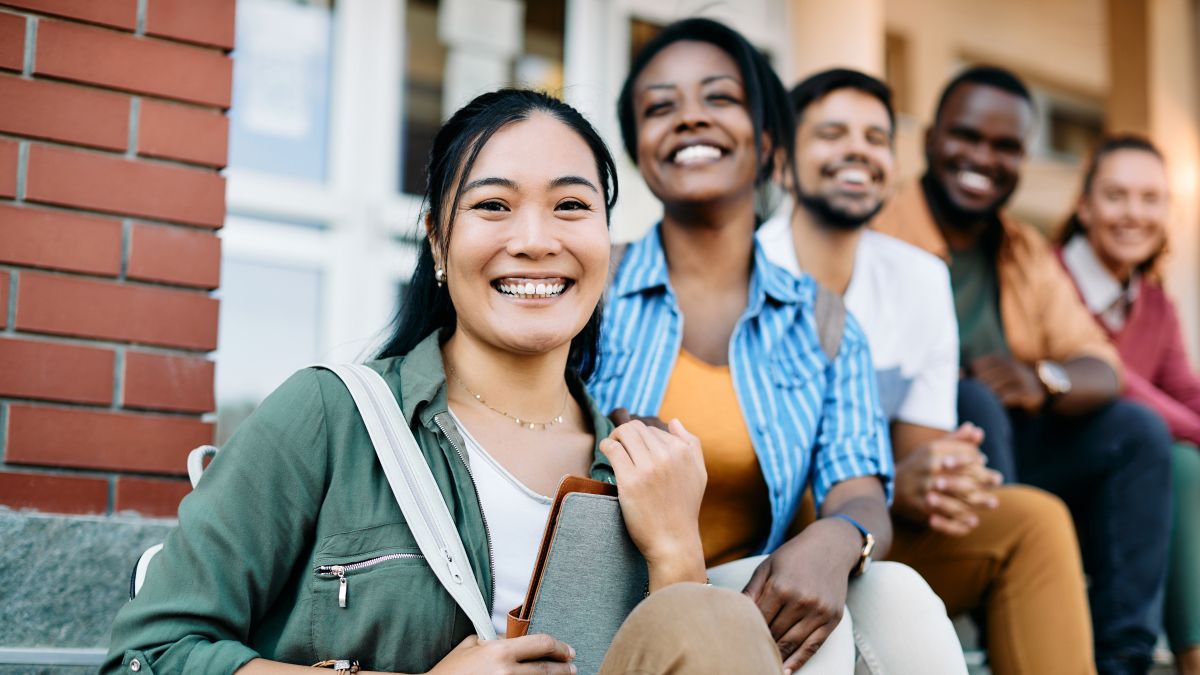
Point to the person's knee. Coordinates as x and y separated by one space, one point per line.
709 624
900 624
1143 429
693 628
1036 515
894 583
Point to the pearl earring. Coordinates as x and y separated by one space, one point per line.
439 275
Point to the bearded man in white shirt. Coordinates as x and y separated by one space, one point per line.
1007 553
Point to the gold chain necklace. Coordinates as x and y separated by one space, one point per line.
527 424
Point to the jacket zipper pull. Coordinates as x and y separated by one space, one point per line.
453 567
342 584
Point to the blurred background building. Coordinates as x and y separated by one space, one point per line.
164 265
335 104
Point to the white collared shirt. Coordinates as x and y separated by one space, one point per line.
1103 294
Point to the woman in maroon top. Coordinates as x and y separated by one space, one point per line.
1111 246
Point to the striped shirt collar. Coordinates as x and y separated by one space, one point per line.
645 270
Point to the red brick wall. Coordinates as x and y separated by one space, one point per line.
112 135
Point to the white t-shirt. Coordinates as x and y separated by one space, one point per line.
516 518
901 297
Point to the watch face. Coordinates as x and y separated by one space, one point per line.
865 560
1054 377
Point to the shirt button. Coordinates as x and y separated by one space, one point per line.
135 665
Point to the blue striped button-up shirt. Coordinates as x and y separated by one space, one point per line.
808 417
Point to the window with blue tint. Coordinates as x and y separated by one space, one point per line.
270 327
281 81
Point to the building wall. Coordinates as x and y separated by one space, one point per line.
112 136
1134 62
1060 46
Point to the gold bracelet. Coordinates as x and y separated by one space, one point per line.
339 665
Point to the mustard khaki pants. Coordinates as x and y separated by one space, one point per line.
1022 566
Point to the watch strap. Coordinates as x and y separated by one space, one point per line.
867 547
857 525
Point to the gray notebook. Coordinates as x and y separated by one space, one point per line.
592 577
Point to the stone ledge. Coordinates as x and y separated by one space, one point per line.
65 577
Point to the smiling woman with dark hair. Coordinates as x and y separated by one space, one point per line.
293 549
702 328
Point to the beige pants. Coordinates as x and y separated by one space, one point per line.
693 629
893 624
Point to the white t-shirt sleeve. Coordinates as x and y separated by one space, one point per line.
932 399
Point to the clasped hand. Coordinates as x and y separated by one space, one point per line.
945 483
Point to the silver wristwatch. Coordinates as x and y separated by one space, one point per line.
1054 378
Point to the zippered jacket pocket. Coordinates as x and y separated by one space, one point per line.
381 596
343 571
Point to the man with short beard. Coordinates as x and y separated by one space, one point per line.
1006 553
1043 379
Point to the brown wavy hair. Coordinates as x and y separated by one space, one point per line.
1109 144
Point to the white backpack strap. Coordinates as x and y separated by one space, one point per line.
195 461
416 491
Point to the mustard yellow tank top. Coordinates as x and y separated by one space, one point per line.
735 515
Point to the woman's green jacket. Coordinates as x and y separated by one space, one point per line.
295 490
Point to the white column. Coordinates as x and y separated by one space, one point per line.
363 145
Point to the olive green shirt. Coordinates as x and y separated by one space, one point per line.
298 486
977 304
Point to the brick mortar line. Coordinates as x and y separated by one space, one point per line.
118 395
135 107
67 210
68 341
102 408
22 170
136 283
10 326
139 25
3 430
28 65
111 495
126 249
111 154
40 77
84 472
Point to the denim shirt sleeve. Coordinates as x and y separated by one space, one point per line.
853 440
240 533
